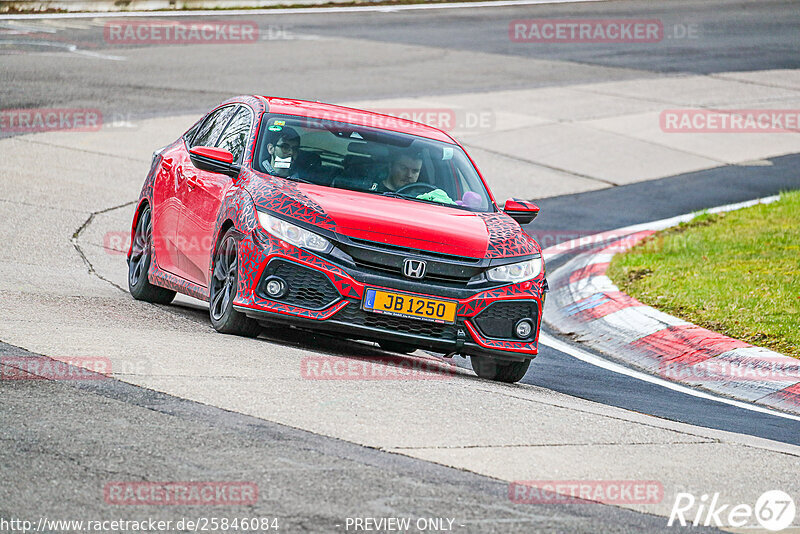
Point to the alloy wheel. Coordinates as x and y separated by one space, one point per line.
140 249
223 282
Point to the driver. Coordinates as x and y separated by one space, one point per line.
404 170
283 150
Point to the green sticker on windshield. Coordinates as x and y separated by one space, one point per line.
275 128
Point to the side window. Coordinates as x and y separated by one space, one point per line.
235 136
465 186
209 132
191 131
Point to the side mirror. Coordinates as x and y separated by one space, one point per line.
521 211
213 159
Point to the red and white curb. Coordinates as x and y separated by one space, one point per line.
584 303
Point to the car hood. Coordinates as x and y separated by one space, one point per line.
404 223
396 221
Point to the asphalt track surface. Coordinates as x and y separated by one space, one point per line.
318 480
730 36
309 482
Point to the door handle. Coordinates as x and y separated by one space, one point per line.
190 179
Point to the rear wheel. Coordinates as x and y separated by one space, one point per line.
224 285
499 371
396 346
139 263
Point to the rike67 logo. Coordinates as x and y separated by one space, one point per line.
774 510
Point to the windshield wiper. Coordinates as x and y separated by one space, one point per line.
297 179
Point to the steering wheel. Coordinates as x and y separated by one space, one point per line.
416 185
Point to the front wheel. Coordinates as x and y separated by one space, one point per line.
139 263
499 371
224 285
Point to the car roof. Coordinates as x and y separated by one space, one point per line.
319 110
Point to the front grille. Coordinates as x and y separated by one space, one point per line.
498 320
308 288
398 270
415 251
388 259
352 314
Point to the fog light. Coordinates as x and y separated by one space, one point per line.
523 329
275 287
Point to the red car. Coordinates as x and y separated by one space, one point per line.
330 218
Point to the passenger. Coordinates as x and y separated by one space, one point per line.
283 149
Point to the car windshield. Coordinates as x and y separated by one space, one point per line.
370 160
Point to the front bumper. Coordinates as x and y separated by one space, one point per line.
327 296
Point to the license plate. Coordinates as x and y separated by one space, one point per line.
406 305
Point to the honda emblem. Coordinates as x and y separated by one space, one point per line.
414 268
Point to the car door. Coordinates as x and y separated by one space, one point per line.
203 194
184 176
166 209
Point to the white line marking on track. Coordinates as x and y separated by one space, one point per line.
65 47
297 11
98 55
597 361
23 28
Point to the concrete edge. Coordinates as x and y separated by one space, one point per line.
122 6
586 305
10 9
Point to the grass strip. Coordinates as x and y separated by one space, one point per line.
737 273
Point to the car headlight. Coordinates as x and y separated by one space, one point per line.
299 237
516 272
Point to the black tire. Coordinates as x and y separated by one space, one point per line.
396 346
139 264
222 290
499 371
